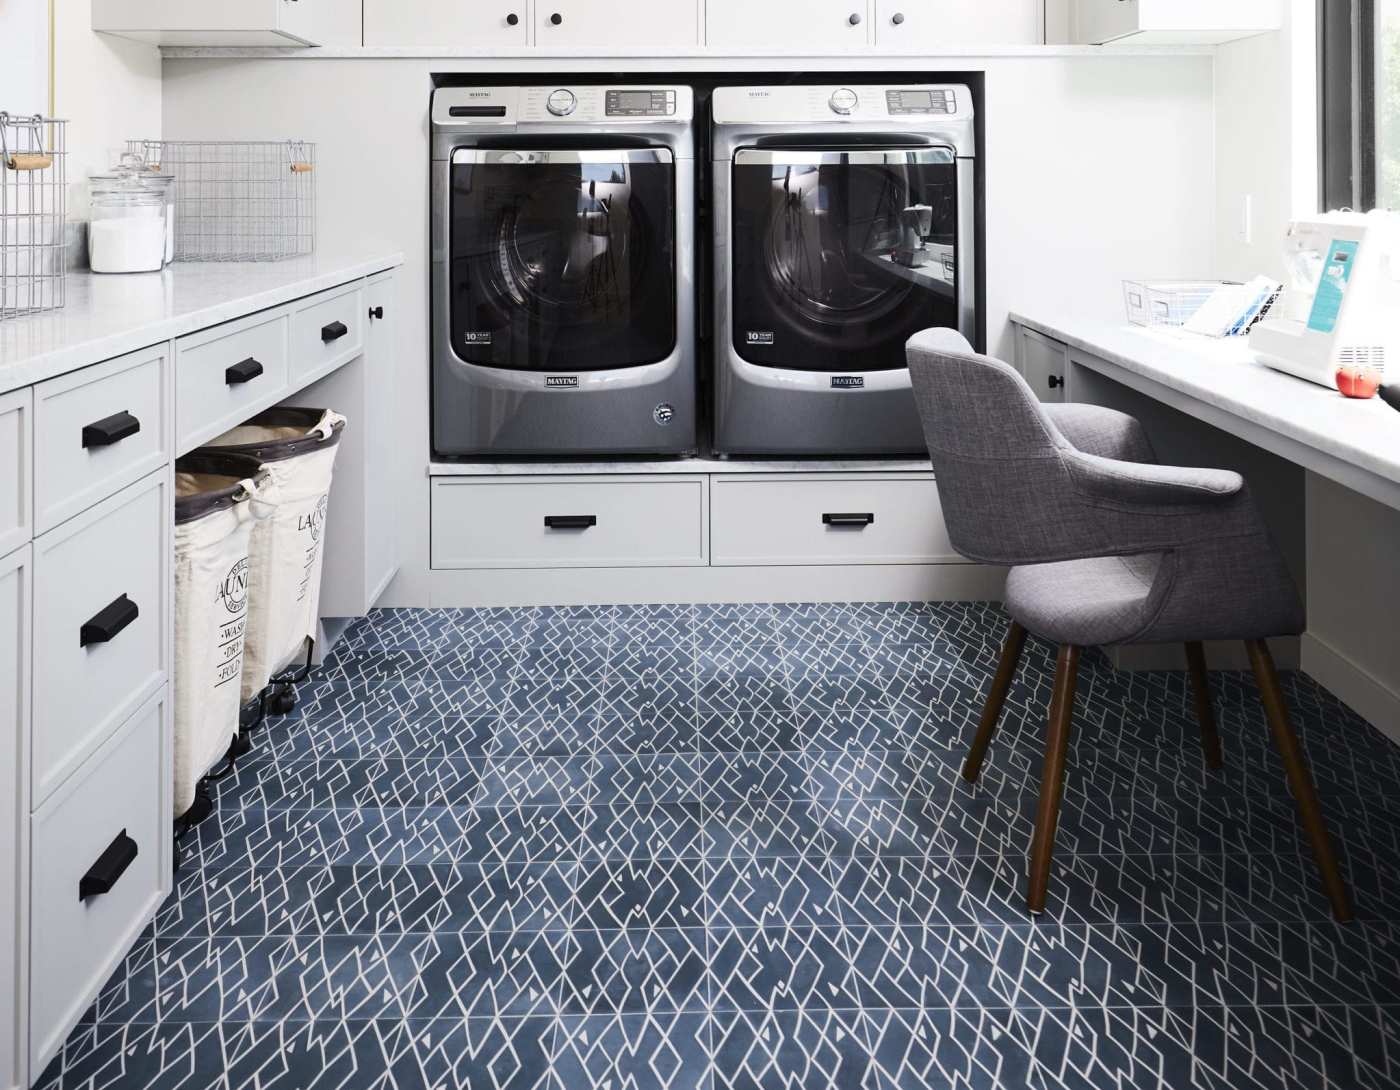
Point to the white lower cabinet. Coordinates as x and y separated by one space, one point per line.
16 468
102 599
15 611
918 24
794 520
100 870
1044 363
570 522
482 24
789 25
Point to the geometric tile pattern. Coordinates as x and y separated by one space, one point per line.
724 847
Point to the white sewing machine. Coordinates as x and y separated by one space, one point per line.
1341 305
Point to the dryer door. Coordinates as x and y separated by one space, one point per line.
563 260
841 255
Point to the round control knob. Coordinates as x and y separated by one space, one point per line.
562 103
844 101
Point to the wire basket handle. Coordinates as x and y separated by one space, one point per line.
300 158
24 160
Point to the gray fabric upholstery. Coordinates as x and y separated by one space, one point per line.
1017 491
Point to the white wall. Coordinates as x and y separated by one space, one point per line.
1077 151
24 56
108 88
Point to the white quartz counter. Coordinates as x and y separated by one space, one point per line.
644 466
107 316
1356 443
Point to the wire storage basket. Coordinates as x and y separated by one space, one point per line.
1168 303
238 200
33 216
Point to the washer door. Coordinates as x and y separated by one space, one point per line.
841 256
563 260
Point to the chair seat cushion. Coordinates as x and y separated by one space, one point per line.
1089 603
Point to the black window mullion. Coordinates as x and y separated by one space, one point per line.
1347 61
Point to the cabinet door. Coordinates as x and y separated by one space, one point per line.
1097 21
447 23
919 24
321 22
14 811
382 382
787 25
1044 364
565 24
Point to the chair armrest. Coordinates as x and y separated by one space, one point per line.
1138 486
1107 433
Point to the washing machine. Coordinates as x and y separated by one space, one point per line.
845 221
563 256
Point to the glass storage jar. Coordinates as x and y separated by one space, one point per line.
130 229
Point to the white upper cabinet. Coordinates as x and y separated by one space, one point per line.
1172 22
482 23
561 25
781 26
921 24
226 23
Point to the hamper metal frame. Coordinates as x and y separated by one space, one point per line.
238 200
33 213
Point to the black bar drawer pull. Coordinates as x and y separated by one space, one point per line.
110 429
242 372
103 875
859 520
334 331
104 627
570 522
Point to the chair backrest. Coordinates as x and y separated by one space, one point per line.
995 453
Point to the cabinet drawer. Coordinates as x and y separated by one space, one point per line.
96 431
16 468
829 520
87 831
327 330
579 522
227 374
88 576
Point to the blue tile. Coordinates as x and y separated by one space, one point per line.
641 894
641 831
478 975
810 1049
653 1051
782 969
635 972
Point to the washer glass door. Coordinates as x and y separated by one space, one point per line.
563 260
841 256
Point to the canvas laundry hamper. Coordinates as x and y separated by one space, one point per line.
296 449
215 511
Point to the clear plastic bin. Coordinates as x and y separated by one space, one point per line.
1166 302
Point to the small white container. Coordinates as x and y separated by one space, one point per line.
130 231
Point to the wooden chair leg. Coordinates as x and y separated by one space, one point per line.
1052 785
996 700
1205 712
1299 778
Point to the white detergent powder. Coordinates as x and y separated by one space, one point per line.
126 245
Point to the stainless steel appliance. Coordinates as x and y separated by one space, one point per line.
845 221
563 287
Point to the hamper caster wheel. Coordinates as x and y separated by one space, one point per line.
284 700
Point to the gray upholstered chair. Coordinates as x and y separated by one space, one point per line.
1105 547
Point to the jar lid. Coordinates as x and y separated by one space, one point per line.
132 177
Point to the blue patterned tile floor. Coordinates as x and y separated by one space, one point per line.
714 848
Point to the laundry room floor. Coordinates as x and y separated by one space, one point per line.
724 847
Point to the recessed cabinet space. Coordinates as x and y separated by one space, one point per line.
786 25
920 24
565 24
226 23
1173 22
448 23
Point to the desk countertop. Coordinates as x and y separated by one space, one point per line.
107 316
1354 442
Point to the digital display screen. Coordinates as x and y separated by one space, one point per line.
916 100
634 100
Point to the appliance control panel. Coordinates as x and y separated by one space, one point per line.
507 107
901 105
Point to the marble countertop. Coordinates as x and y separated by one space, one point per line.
1225 376
648 466
107 316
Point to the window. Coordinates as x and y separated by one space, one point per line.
1388 104
1359 102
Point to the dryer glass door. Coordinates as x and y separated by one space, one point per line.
841 255
563 260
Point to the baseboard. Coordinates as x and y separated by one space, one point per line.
619 586
1220 655
1365 694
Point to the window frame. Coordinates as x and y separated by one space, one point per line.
1348 60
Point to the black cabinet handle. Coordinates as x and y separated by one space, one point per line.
377 313
1056 382
107 625
556 19
854 19
244 371
334 331
570 522
110 429
897 18
103 875
860 520
512 19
